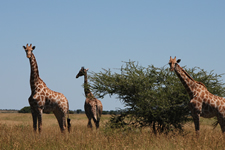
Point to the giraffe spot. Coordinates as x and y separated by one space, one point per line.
40 86
37 97
40 103
198 104
222 103
202 94
60 107
42 97
220 108
204 99
218 103
199 99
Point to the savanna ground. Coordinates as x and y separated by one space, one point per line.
16 133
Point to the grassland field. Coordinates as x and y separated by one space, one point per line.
16 132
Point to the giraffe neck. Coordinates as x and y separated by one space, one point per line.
188 82
86 88
34 74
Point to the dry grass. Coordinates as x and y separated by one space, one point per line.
16 133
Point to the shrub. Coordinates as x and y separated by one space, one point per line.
25 109
153 97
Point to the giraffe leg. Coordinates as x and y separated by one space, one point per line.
195 115
89 116
89 125
39 116
34 116
61 118
196 122
96 122
33 112
97 115
221 121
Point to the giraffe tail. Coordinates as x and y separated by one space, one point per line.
98 112
98 115
215 124
68 124
68 121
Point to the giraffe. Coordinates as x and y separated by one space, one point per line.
202 103
44 99
93 106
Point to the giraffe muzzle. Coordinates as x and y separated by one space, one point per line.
28 56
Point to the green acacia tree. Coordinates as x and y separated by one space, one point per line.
153 97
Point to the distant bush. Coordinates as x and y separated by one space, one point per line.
71 112
25 109
79 111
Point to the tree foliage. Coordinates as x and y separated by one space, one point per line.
153 97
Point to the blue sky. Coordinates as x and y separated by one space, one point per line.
102 34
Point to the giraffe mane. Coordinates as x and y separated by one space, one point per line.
191 77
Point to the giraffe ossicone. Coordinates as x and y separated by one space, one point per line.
42 99
202 102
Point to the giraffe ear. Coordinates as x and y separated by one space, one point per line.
178 60
87 69
33 47
24 47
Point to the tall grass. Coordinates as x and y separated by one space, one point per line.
16 133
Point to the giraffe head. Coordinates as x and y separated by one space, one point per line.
29 50
81 72
173 63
